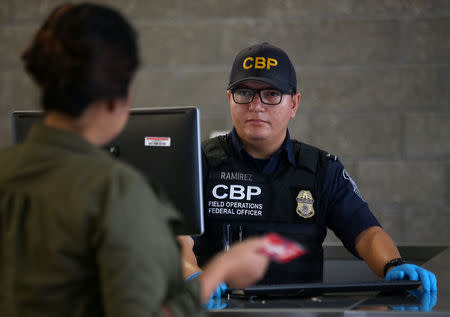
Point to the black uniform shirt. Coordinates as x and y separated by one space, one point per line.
347 212
284 155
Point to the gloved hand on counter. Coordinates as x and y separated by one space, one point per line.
215 296
413 272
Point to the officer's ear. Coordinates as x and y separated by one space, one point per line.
295 103
229 95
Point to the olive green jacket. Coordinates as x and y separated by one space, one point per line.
83 234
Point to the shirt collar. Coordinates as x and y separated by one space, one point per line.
287 148
43 134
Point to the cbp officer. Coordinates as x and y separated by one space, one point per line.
259 180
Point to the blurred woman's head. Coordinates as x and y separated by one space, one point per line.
83 53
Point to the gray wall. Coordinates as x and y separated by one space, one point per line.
374 74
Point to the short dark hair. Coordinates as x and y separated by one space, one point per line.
82 53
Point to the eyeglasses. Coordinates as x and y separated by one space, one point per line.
267 96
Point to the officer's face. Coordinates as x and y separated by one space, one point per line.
257 123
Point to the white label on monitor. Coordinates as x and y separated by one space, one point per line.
157 141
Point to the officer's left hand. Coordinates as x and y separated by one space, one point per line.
413 272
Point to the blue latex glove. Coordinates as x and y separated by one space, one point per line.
413 272
191 277
214 301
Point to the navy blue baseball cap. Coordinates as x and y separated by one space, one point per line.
266 63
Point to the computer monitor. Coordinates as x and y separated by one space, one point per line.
164 144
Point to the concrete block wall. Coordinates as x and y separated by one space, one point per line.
375 78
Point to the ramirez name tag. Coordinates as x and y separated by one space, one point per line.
157 141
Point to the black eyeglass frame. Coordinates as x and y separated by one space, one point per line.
258 91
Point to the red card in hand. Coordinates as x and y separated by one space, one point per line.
280 249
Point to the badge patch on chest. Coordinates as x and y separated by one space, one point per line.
305 203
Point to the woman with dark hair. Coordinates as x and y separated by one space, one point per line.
83 234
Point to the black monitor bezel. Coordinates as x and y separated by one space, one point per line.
199 225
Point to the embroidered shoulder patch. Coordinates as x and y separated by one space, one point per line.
355 188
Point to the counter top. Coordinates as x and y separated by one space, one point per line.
433 258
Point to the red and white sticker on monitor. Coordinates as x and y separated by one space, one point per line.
157 141
280 249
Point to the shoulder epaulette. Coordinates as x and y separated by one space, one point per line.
332 157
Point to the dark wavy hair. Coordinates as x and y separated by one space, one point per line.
82 53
